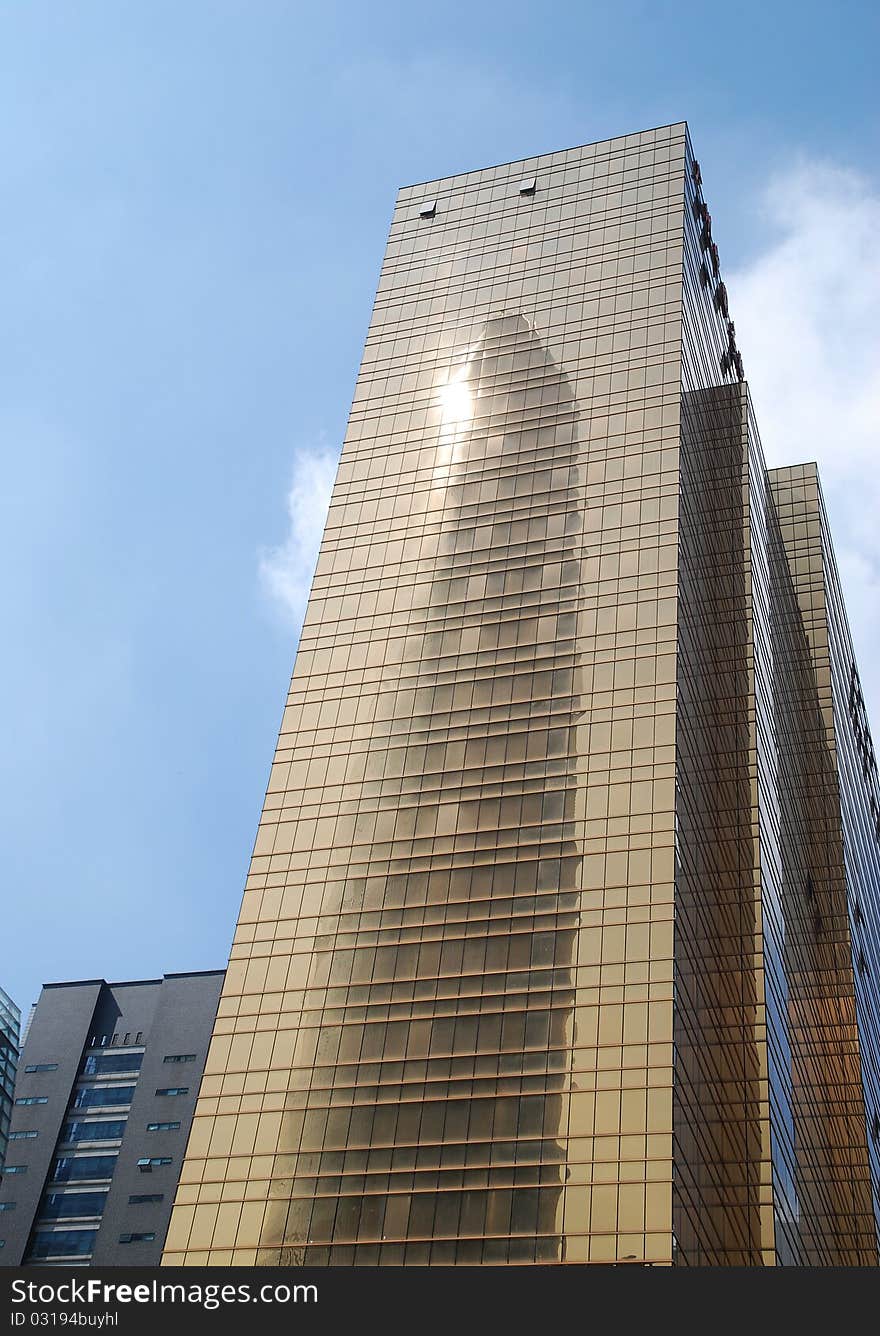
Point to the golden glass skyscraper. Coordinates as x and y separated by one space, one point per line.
558 938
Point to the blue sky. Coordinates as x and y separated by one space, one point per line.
195 202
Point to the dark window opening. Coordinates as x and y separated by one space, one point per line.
94 1131
94 1097
74 1167
110 1064
63 1205
63 1243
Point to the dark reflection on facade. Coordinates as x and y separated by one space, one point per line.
830 1143
719 1120
434 1124
768 1090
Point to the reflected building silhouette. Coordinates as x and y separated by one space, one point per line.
436 1106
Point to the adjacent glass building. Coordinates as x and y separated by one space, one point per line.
560 937
10 1020
106 1089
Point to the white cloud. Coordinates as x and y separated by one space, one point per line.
286 571
807 314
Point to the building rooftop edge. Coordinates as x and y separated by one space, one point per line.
511 162
798 464
133 983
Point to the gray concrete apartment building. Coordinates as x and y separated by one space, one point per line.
106 1088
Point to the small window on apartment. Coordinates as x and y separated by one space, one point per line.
179 1057
7 1205
15 1169
127 1039
143 1198
23 1136
862 963
33 1099
528 186
428 208
149 1163
162 1127
41 1067
136 1238
139 1037
173 1090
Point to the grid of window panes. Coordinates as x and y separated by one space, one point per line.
446 1030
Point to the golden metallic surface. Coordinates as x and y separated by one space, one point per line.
498 989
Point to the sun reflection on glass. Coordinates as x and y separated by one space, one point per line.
456 402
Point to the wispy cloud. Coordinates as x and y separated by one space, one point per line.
806 311
286 571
